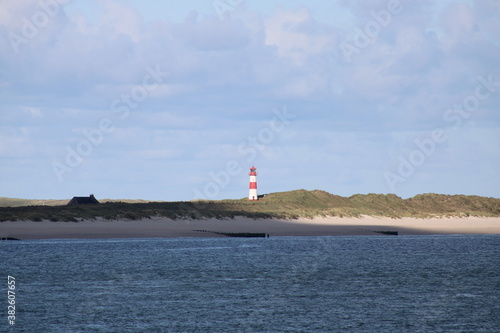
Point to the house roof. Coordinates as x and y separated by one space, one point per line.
90 200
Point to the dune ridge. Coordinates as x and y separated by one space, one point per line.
283 205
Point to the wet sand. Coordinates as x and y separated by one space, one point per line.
331 226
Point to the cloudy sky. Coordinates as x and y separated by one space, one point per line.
176 100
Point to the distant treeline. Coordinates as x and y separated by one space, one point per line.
283 205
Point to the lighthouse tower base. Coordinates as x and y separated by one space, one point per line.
253 194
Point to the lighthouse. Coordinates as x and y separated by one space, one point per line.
252 193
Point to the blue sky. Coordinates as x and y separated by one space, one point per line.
177 100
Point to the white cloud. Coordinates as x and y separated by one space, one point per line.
122 19
457 22
296 35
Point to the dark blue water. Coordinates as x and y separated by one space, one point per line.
288 284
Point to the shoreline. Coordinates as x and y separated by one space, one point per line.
320 226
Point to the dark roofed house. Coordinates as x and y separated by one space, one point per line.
90 200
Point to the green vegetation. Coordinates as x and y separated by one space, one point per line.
12 202
286 205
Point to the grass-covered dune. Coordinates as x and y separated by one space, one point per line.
293 204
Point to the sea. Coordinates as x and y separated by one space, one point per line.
442 283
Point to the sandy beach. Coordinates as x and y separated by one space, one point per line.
330 226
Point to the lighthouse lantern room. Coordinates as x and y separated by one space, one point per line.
252 194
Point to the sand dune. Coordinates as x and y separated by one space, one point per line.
332 226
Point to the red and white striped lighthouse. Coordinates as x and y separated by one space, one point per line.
252 194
